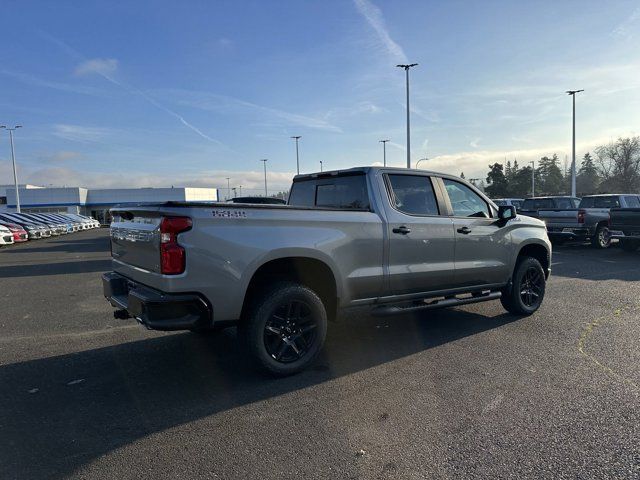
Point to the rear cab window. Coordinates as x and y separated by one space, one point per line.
348 192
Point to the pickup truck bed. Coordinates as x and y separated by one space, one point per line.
397 240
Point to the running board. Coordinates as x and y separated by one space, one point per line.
383 311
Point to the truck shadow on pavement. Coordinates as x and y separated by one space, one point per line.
585 262
60 413
59 268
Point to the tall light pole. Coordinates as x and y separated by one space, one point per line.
240 187
296 138
234 191
384 151
320 165
228 188
421 160
13 159
264 162
533 178
573 151
406 70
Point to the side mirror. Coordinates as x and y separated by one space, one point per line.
506 212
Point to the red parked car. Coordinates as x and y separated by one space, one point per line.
19 233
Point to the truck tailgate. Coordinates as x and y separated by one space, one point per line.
135 239
559 216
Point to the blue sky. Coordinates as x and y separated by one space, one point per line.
188 93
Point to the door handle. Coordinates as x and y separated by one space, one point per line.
402 230
465 230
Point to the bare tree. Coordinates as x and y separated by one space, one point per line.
619 165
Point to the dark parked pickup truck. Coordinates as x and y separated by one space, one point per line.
625 226
589 221
531 206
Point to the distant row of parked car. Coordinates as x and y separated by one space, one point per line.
21 227
597 218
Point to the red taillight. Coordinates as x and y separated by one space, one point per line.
172 255
581 216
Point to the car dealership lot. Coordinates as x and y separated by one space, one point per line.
461 393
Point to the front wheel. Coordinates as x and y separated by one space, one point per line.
285 328
527 290
602 238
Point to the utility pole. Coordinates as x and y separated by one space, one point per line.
533 178
13 159
228 188
573 150
320 165
296 138
264 162
384 152
406 70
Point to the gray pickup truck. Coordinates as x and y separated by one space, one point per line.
590 221
624 225
396 240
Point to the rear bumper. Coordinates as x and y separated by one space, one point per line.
619 234
154 309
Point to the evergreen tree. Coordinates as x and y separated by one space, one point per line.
587 179
496 181
551 179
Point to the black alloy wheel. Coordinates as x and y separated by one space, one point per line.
290 331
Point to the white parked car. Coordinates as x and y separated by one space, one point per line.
6 237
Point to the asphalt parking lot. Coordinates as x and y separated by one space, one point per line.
463 393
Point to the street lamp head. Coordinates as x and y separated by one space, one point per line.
297 136
18 126
407 66
384 141
573 92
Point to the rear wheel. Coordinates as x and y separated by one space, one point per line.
602 237
285 328
629 245
527 290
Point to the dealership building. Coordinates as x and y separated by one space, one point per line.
94 202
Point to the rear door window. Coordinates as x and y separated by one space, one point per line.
413 194
632 201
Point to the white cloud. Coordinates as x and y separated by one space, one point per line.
32 80
373 15
626 29
80 133
475 142
99 66
224 104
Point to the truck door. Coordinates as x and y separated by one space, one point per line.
421 240
483 246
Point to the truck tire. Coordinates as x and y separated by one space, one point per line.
601 239
629 245
284 328
527 289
